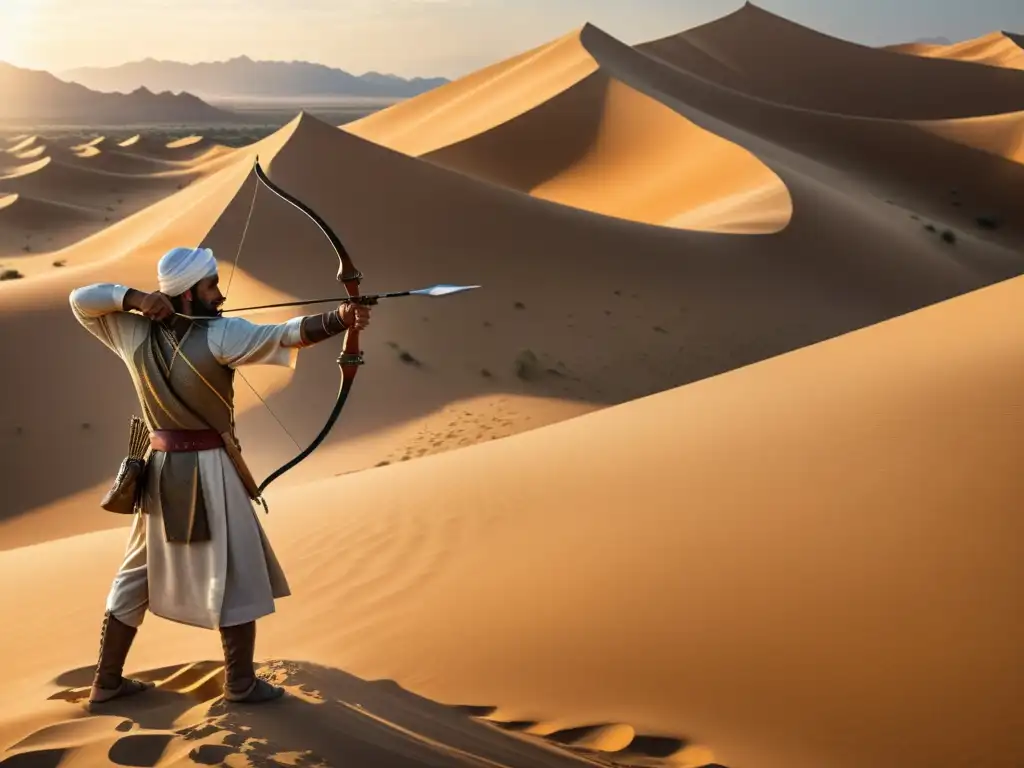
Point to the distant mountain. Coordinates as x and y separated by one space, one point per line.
29 95
241 76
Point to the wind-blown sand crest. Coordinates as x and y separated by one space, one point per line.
759 53
589 141
996 49
189 148
86 187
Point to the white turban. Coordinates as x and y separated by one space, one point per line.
181 268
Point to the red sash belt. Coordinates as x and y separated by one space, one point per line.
177 440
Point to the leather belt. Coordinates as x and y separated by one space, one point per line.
183 440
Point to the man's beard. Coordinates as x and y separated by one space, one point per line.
201 308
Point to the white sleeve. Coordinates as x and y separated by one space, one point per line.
99 309
236 341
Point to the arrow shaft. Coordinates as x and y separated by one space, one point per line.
334 300
364 299
369 298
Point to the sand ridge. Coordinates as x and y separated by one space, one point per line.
926 168
604 147
757 52
56 194
996 49
584 139
480 100
771 295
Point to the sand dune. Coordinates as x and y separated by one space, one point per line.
662 493
31 226
606 148
22 143
93 142
689 305
911 48
193 143
594 129
76 180
911 165
830 555
480 101
74 191
71 187
117 161
1000 135
43 215
759 53
186 149
996 49
552 124
31 153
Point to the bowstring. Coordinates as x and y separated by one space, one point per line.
245 231
234 268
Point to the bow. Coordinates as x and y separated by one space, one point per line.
351 356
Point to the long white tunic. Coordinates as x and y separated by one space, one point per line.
234 577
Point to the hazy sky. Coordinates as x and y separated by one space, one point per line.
426 37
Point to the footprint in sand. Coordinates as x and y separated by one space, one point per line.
182 721
98 740
328 718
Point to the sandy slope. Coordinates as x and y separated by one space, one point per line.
56 195
187 149
44 214
668 306
808 556
652 130
1000 135
996 49
756 52
604 147
480 100
813 561
553 124
929 169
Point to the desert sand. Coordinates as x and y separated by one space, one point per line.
53 196
721 466
996 49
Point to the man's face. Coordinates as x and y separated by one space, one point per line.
207 298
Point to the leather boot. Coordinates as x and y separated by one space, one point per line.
240 681
115 641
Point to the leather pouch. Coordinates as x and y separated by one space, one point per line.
126 491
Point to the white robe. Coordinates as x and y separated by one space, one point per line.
234 577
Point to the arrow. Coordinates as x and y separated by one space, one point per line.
370 298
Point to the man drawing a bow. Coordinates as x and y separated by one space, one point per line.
196 553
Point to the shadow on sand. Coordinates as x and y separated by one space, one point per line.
328 718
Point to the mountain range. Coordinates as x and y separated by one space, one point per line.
41 97
243 76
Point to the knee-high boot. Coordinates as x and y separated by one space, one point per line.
240 681
115 641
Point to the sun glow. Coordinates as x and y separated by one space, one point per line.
16 21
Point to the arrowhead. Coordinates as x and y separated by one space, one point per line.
444 289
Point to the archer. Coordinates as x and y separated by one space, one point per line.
196 552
